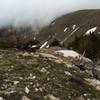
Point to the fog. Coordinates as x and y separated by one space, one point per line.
39 13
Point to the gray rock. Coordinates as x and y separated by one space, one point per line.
96 72
25 98
1 98
47 55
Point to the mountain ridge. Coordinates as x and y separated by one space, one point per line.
83 19
63 29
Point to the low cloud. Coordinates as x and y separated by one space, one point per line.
39 13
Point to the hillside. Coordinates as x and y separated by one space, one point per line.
20 37
64 29
72 25
56 64
46 75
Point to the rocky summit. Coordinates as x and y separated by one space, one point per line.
47 74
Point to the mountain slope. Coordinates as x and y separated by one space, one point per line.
72 25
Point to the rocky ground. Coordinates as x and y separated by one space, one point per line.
44 75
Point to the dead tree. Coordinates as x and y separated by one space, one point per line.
79 61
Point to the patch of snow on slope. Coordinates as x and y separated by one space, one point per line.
74 26
65 29
91 31
34 46
47 46
70 35
74 31
69 53
44 45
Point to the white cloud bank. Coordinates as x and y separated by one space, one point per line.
39 12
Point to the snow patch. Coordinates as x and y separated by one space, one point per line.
47 46
65 29
91 30
68 53
34 46
74 26
44 45
74 30
70 35
71 53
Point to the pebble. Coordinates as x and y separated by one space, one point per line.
68 73
43 70
36 89
27 90
16 82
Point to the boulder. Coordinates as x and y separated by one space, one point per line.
96 72
25 98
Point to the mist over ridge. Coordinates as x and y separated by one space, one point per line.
38 13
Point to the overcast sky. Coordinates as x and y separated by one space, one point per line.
39 12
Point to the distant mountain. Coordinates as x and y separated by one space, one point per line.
69 26
62 31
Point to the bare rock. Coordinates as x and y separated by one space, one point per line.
47 55
1 98
27 90
26 54
51 97
94 82
25 98
96 72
